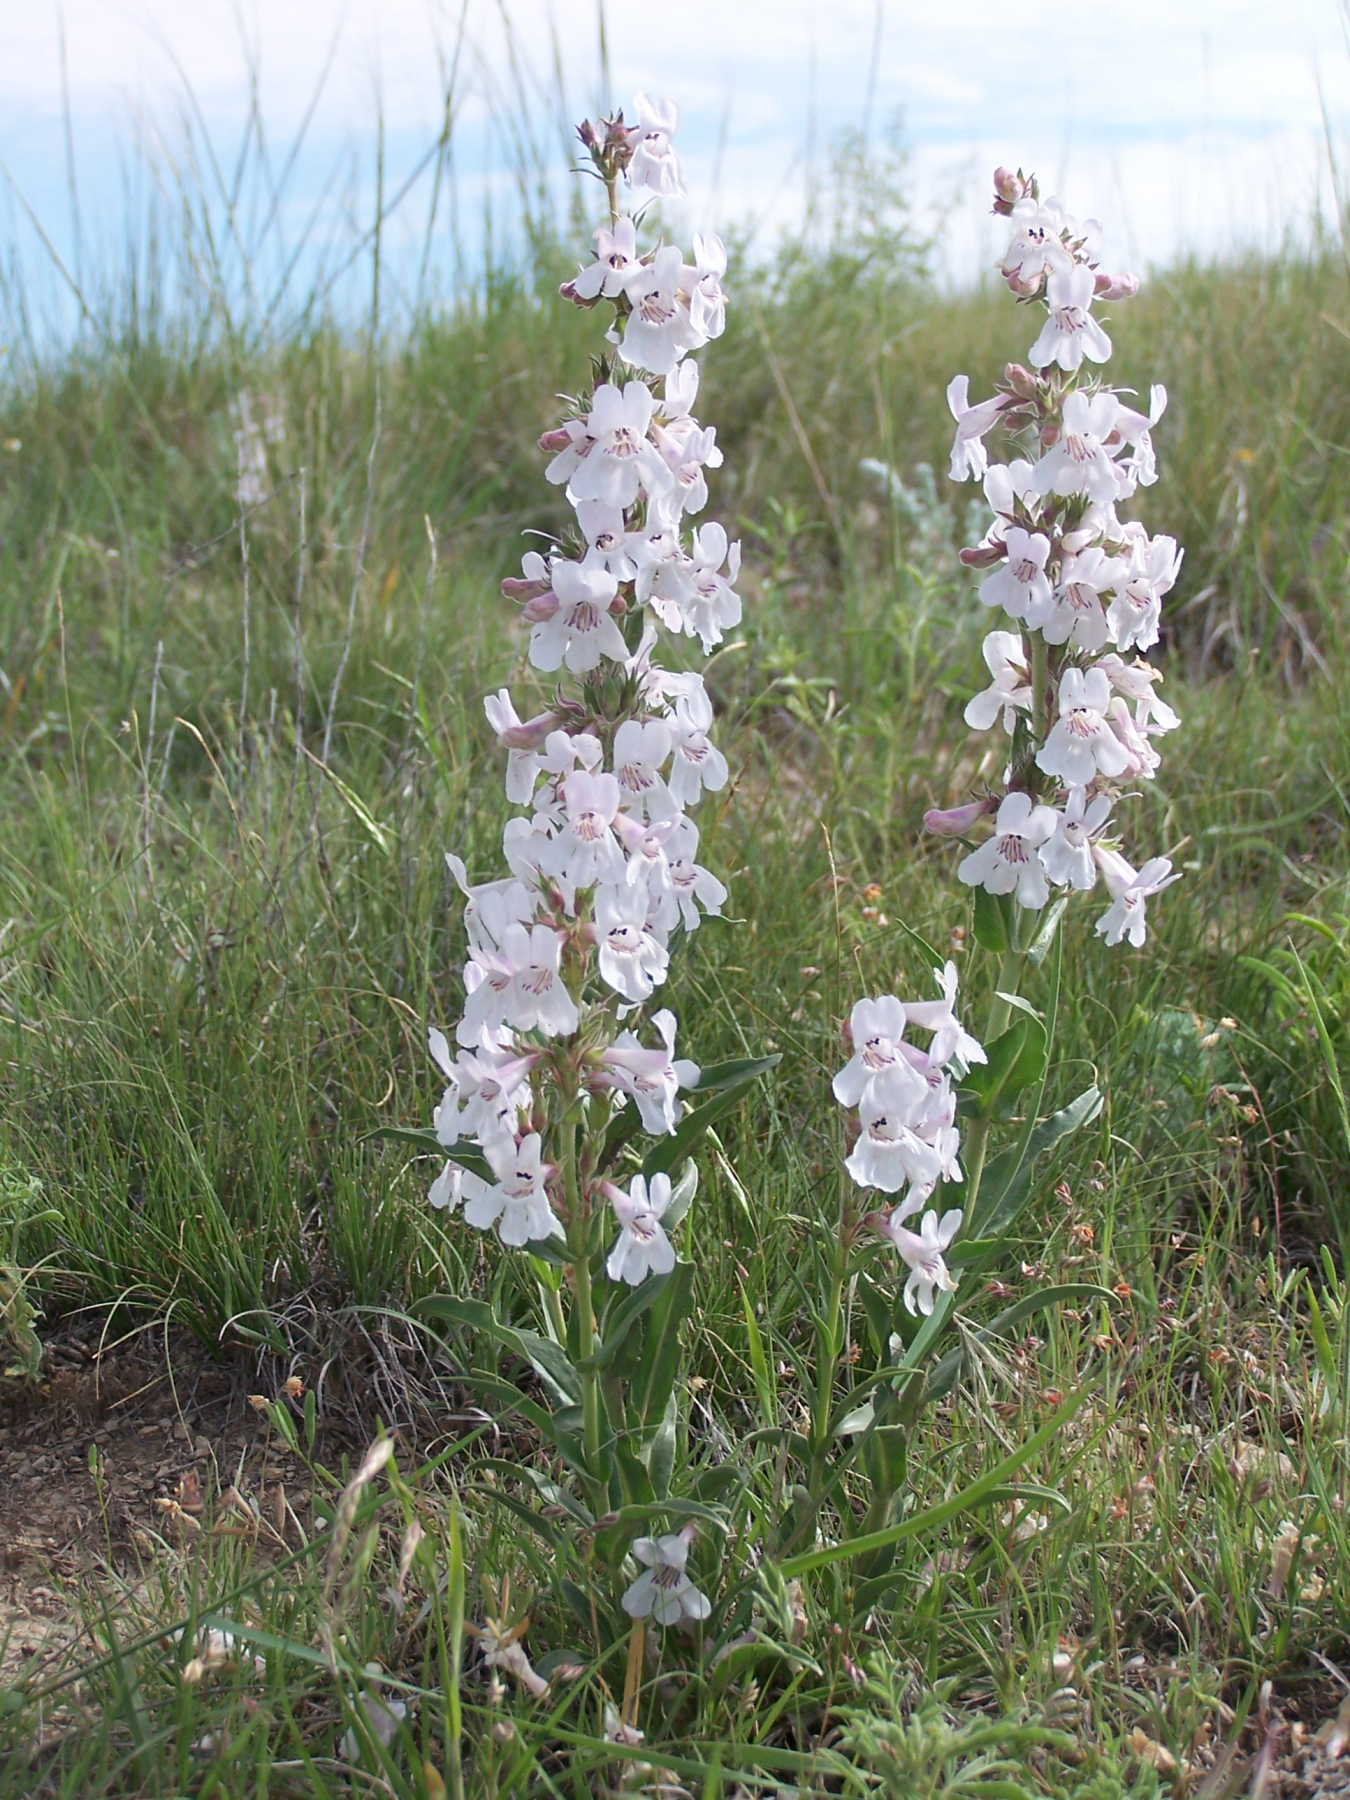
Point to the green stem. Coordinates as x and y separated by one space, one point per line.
579 1236
1000 1011
1040 689
830 1346
553 1307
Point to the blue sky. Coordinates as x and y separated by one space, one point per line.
1180 123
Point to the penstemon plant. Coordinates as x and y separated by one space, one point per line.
557 1066
1082 590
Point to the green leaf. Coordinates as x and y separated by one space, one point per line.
879 1308
991 923
653 1380
1017 1059
886 1456
661 1450
619 1318
726 1091
498 1496
549 1491
1026 1492
681 1196
1006 1186
854 1423
966 1250
628 1516
713 1079
468 1156
1040 945
265 1640
765 1388
548 1360
735 1073
934 958
978 1493
1070 1293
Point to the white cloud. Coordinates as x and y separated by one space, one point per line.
1193 122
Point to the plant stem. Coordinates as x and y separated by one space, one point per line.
579 1234
553 1307
830 1346
977 1138
1040 688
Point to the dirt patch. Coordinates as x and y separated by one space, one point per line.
94 1461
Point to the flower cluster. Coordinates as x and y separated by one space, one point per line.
908 1136
1082 588
603 855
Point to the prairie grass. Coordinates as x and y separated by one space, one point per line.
235 744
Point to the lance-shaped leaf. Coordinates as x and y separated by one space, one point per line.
1006 1186
653 1380
712 1080
978 1493
620 1317
548 1360
468 1156
1070 1293
723 1093
1017 1059
993 922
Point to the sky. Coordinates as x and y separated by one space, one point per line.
1182 124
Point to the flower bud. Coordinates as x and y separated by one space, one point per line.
618 606
541 607
982 556
620 141
1026 288
1114 287
514 588
1009 187
1020 381
530 734
557 439
1049 434
956 821
590 135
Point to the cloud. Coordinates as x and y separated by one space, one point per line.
1198 119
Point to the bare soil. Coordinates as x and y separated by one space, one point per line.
97 1457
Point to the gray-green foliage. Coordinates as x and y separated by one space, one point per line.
919 1747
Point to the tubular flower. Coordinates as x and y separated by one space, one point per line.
1020 585
642 1248
1081 744
1009 862
1010 691
664 1590
922 1250
1082 587
1129 889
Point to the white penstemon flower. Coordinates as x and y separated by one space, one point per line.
603 858
907 1138
642 1248
664 1591
1081 587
